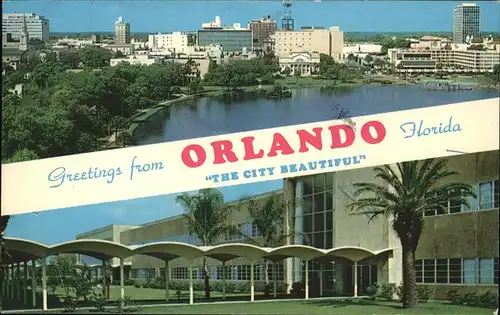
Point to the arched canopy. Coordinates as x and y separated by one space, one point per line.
225 251
20 250
168 250
99 249
300 251
354 253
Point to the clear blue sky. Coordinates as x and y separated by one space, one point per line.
56 226
156 16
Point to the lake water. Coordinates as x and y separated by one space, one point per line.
209 117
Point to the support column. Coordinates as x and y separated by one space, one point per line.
252 293
167 280
122 285
306 285
44 283
223 280
18 282
190 270
25 283
275 280
355 278
33 282
104 278
321 279
12 281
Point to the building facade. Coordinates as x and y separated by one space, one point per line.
262 30
458 248
36 26
231 40
122 32
324 41
466 22
176 42
306 63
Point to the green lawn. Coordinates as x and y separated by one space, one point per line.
320 307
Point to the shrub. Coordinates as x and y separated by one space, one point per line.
387 291
399 291
453 296
137 285
98 300
425 292
470 299
372 290
488 299
69 304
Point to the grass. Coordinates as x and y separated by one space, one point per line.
320 307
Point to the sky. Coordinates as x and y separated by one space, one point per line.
187 15
56 226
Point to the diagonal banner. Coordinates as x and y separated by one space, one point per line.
247 157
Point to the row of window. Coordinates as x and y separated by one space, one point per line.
488 197
457 271
232 272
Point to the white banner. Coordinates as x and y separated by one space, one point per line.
248 157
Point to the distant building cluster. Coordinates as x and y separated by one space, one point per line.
466 51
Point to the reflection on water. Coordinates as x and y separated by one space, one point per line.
237 113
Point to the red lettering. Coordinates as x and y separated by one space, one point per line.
200 153
249 149
379 129
337 140
280 144
306 137
223 151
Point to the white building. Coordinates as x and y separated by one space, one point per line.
134 60
306 62
213 24
175 42
37 26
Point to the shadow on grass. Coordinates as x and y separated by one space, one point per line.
337 303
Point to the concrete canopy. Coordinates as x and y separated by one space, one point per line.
20 250
354 253
99 249
234 250
168 250
303 252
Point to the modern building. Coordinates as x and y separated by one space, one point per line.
458 248
452 61
231 40
175 42
307 63
122 32
466 22
311 39
37 26
126 49
263 30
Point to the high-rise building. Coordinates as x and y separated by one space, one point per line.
262 31
176 42
37 26
122 32
310 39
466 23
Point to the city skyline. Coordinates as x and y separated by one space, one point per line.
152 17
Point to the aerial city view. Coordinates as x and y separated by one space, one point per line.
87 76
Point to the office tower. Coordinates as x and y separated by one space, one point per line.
465 23
122 32
262 31
36 26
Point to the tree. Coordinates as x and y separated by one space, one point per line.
268 217
206 217
94 57
297 73
496 73
407 192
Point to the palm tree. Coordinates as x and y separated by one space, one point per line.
408 191
207 219
268 218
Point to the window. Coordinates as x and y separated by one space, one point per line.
255 231
429 270
134 273
419 271
486 195
470 271
179 273
455 270
486 271
441 270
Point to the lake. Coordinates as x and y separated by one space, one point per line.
209 116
